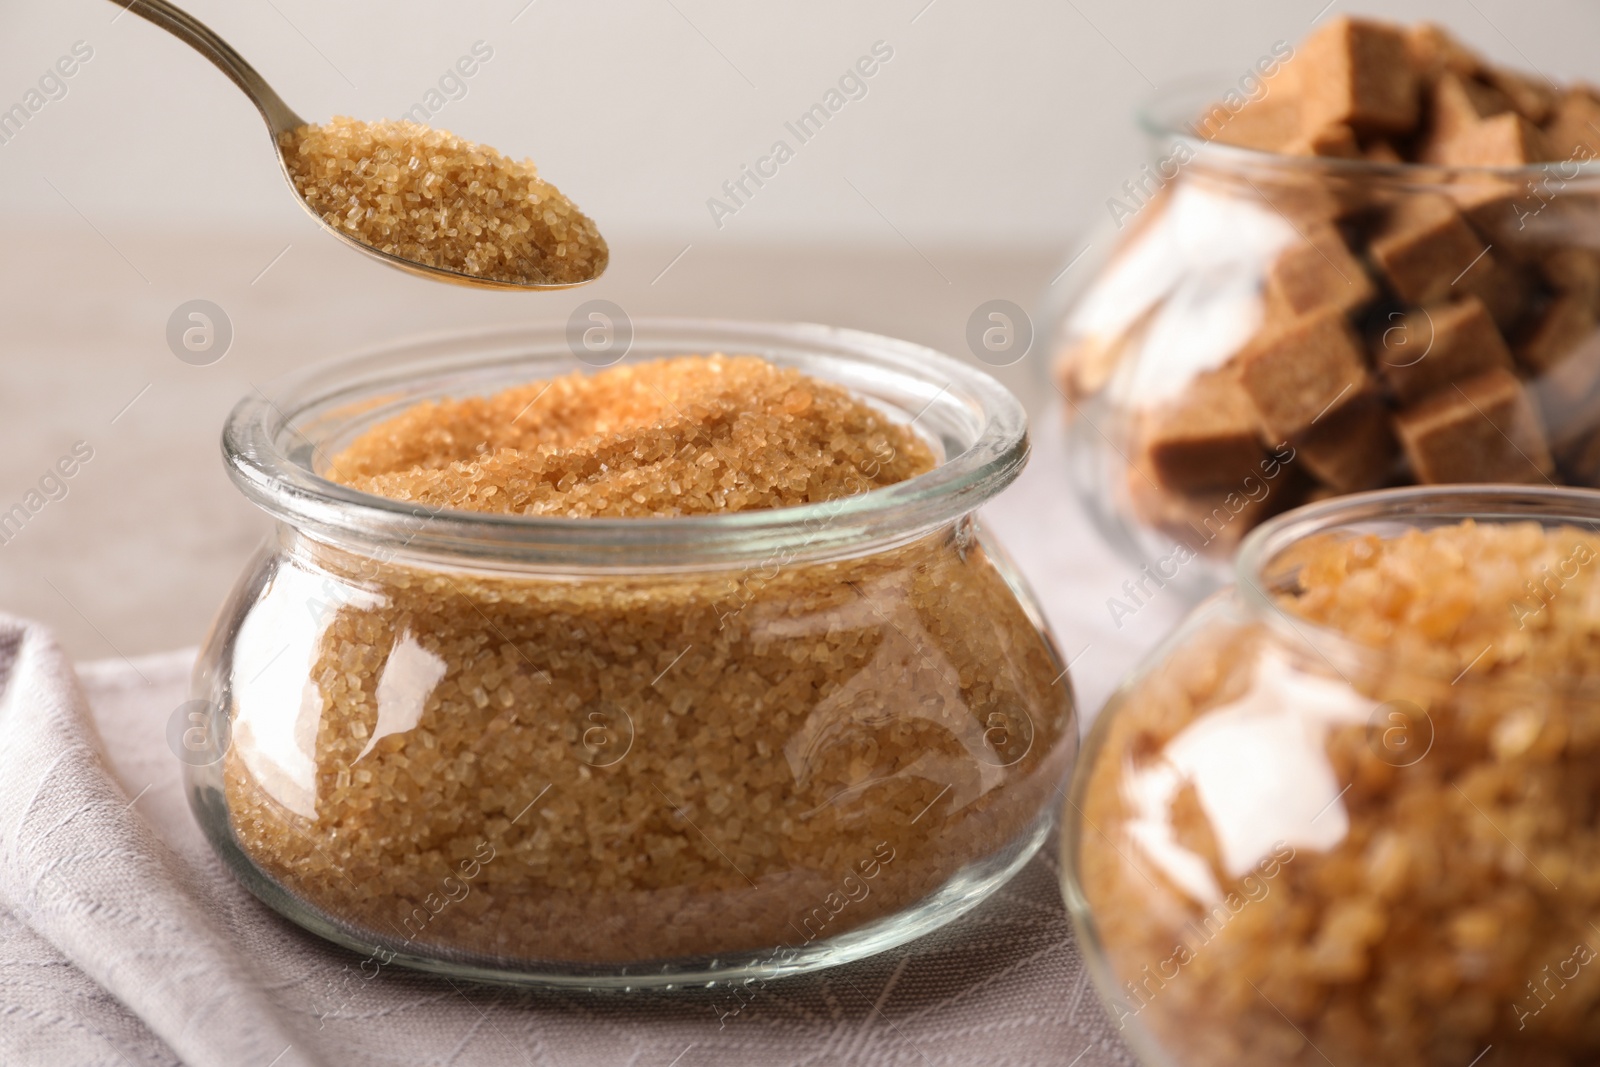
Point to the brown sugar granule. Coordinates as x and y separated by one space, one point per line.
724 751
1452 912
685 436
430 197
1438 599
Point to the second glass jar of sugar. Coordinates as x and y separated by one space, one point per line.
1346 814
1265 329
639 751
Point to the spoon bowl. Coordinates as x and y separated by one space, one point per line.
280 119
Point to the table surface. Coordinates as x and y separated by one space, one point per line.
150 534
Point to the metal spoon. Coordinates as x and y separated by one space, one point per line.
281 119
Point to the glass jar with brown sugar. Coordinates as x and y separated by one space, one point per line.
697 667
1348 813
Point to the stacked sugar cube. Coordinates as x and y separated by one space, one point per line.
1431 323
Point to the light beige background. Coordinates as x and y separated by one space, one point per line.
979 161
998 120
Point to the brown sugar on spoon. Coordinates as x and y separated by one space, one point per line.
433 198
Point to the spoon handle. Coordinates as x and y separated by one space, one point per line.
197 35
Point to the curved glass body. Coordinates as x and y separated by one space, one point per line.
1284 848
629 752
1266 331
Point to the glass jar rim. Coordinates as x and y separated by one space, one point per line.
273 439
1169 114
1407 507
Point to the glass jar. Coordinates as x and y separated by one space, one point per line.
619 753
1267 330
1284 847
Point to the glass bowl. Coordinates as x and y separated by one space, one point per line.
1287 848
622 753
1263 330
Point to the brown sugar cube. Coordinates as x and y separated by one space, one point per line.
1572 270
1481 430
1320 493
1455 104
1428 348
1350 447
1086 363
1306 197
1434 52
1579 460
1533 99
1505 289
1506 140
1382 152
1506 278
1083 367
1573 131
1265 125
1334 140
1564 324
1319 273
1214 522
1423 247
1295 375
1490 203
1568 394
1526 220
1357 72
1206 439
1571 217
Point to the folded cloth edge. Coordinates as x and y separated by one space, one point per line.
84 871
